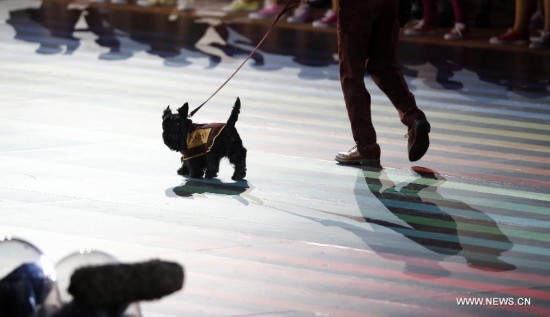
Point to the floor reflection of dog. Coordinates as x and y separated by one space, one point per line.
241 190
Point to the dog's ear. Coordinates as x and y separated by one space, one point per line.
238 102
183 111
167 112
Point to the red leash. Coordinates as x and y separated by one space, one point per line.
289 4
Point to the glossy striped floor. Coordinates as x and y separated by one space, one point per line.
83 166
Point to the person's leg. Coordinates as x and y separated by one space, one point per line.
460 29
428 23
537 19
519 33
546 7
543 41
524 10
383 68
429 12
460 11
354 30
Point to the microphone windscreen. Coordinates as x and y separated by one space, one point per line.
118 284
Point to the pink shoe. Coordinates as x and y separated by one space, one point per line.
329 20
301 14
510 37
459 32
270 11
420 28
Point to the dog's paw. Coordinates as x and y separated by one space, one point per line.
238 175
210 174
183 171
196 174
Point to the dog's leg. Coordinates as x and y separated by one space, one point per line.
212 165
238 159
196 167
183 170
196 173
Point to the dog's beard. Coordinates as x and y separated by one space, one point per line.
173 136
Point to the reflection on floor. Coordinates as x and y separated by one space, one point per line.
83 165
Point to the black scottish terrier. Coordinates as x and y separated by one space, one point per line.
204 145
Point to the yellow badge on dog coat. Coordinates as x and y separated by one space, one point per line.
201 138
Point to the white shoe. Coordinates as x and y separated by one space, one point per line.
542 42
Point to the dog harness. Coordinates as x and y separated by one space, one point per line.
201 138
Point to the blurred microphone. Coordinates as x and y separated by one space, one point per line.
118 284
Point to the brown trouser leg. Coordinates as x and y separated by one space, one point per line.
368 32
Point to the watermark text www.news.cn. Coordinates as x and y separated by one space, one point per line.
493 301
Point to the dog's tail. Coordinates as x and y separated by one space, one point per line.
234 113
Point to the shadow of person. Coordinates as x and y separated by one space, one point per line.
438 229
527 78
446 61
442 227
98 24
424 222
123 32
51 26
241 190
175 41
228 45
445 226
421 222
291 48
